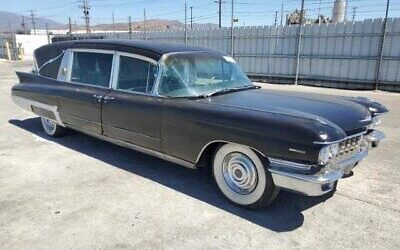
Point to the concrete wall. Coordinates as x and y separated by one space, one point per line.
340 55
30 42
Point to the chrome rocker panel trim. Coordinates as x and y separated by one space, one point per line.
28 104
318 184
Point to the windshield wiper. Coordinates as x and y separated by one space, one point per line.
225 90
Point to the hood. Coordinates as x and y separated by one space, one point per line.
348 115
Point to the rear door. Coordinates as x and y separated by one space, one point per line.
131 112
88 77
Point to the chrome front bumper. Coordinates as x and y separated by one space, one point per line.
324 181
374 138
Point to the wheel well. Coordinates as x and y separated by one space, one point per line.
205 159
207 155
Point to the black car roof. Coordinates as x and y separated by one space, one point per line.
151 49
158 47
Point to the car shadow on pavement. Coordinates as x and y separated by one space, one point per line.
285 214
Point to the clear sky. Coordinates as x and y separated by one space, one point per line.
249 12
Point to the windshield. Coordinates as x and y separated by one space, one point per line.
199 73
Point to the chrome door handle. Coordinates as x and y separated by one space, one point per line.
98 97
108 99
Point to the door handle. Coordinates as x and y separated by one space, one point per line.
98 97
108 99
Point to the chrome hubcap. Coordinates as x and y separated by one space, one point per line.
240 173
49 125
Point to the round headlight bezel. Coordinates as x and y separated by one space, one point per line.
327 153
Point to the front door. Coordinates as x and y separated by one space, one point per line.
130 112
81 94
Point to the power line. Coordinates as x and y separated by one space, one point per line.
85 8
23 24
185 23
69 26
191 17
144 24
130 27
33 22
354 13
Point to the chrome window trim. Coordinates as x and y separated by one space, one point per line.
136 56
347 137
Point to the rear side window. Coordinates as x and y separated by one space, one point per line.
136 75
50 68
92 68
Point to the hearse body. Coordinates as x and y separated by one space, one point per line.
195 107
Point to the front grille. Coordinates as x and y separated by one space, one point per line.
349 147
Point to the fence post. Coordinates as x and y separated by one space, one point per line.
8 55
296 80
381 47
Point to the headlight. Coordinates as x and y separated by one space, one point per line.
327 153
376 121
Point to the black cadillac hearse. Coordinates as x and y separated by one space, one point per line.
195 107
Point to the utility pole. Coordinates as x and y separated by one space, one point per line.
191 17
23 24
382 46
296 81
282 14
276 18
113 23
33 22
85 8
354 13
130 27
319 8
70 26
232 20
186 23
219 13
47 33
145 24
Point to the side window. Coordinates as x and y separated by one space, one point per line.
51 68
136 75
92 68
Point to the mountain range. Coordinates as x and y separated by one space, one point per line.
12 21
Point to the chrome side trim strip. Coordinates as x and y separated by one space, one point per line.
27 105
140 149
278 163
347 137
297 151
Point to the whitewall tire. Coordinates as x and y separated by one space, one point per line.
242 177
52 128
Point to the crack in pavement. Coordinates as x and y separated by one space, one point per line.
368 202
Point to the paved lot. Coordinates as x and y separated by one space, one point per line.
78 192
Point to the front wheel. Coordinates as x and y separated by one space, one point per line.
52 128
241 176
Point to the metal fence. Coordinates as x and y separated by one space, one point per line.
355 55
8 48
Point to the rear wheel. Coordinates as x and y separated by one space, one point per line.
52 128
241 176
